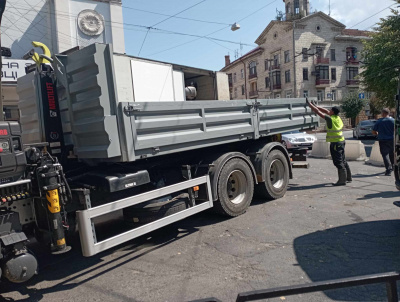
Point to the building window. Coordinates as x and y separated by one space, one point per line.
253 68
266 65
305 93
296 7
319 51
267 82
242 89
288 9
305 74
305 54
333 55
253 87
352 73
230 79
318 27
288 94
241 73
351 54
235 94
320 95
333 74
322 72
333 93
276 60
276 78
277 96
287 76
287 56
234 77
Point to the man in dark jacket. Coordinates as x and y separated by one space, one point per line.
384 128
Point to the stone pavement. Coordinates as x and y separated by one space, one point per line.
316 232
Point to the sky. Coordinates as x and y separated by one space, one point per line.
204 44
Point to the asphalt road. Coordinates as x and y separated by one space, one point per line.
316 232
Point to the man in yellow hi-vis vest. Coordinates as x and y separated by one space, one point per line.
334 135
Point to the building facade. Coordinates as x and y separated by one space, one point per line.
60 25
299 55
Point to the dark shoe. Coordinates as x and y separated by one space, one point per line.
348 174
342 178
388 172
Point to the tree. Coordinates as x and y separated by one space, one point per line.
352 106
381 55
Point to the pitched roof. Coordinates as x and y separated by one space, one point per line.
249 54
323 16
259 40
355 32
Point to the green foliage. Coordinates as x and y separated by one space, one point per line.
381 55
352 105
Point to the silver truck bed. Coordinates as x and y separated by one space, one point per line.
102 128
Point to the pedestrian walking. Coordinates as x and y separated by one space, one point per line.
384 129
334 135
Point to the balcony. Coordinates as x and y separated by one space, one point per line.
352 62
275 67
277 87
253 94
353 83
322 83
253 76
322 61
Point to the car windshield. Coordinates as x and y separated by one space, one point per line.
367 123
292 132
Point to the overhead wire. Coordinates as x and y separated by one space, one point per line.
371 16
214 32
150 27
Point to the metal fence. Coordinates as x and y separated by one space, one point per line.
390 279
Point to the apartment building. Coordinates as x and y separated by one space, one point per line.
300 54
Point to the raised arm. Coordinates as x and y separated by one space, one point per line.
316 109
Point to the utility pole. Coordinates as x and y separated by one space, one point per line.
2 9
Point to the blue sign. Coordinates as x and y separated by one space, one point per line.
361 95
329 95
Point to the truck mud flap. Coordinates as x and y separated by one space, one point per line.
90 245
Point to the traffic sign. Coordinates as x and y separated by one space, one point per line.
361 95
329 95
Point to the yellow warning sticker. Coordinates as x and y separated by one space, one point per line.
53 201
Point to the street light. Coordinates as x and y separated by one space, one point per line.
235 26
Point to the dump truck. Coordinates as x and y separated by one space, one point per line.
103 133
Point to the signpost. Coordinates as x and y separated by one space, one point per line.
361 95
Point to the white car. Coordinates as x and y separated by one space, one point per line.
296 139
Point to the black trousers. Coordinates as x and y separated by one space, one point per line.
386 148
337 153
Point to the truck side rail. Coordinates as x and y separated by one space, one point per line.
89 243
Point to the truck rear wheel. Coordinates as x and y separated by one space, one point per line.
276 176
235 188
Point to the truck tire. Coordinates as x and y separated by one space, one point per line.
235 188
277 176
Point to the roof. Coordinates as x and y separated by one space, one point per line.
249 54
323 16
259 40
355 33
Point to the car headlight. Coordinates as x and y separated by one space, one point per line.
292 140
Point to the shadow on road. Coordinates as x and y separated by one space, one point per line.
74 270
348 251
296 187
368 175
390 194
